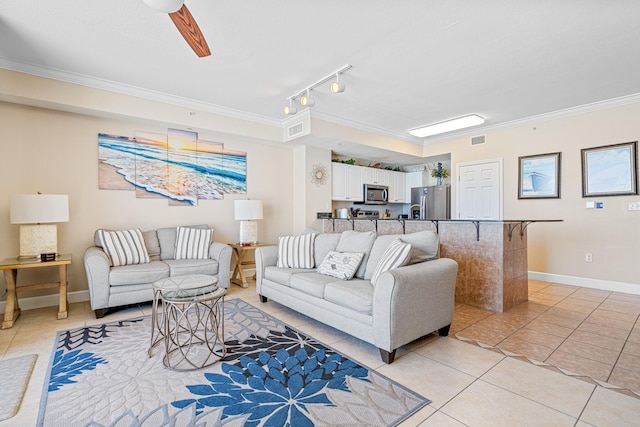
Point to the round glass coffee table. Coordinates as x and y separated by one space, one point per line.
188 315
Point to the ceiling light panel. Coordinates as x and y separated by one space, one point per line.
447 126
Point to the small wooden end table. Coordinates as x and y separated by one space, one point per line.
240 251
11 267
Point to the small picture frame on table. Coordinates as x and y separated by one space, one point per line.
539 176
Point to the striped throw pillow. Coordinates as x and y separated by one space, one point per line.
124 247
192 243
296 251
397 254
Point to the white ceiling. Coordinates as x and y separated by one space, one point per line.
414 61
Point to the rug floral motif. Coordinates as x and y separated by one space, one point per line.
272 375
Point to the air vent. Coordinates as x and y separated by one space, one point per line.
478 140
295 130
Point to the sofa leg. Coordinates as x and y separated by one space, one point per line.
100 313
263 299
387 356
444 331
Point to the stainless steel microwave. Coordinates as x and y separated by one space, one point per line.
376 194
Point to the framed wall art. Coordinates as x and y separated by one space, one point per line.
610 170
539 176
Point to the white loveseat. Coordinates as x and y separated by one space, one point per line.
113 286
405 303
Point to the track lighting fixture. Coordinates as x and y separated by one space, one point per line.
337 86
306 100
304 95
290 110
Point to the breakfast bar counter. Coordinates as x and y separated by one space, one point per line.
491 254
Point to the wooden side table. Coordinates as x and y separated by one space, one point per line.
240 251
11 267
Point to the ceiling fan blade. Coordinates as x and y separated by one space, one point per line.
190 31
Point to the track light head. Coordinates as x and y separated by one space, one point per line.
307 101
289 110
337 86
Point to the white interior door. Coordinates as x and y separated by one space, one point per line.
480 190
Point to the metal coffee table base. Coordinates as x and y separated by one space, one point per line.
194 331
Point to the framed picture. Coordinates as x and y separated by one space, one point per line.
539 176
609 170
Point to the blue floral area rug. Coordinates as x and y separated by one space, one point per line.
272 375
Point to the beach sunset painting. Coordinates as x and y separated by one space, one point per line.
176 166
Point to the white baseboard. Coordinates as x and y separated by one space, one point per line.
47 300
605 285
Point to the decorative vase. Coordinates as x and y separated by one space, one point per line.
439 182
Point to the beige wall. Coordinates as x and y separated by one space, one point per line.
611 234
56 152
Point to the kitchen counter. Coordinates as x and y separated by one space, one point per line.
491 254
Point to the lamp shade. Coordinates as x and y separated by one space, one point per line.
245 210
39 208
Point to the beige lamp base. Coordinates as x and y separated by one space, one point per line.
38 239
248 232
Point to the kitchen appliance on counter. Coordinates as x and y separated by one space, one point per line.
365 214
343 213
432 202
375 194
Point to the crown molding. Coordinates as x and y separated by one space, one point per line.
365 127
559 114
111 86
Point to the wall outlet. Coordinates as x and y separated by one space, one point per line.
634 206
588 257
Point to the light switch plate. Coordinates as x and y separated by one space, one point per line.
591 205
634 206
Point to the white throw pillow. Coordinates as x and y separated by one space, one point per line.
296 251
342 265
397 254
124 247
192 243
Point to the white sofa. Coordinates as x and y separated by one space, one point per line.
111 286
405 304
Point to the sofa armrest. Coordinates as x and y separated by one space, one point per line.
412 301
97 267
222 253
265 256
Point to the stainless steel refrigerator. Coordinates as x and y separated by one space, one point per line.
433 202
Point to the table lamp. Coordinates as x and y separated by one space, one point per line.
37 215
247 211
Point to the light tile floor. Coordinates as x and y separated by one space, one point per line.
468 384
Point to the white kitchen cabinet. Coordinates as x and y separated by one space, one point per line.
346 182
375 176
397 187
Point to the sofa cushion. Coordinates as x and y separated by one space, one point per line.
357 241
138 274
310 283
424 246
283 275
296 251
153 245
324 243
182 267
123 247
342 265
353 294
192 243
167 240
396 255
